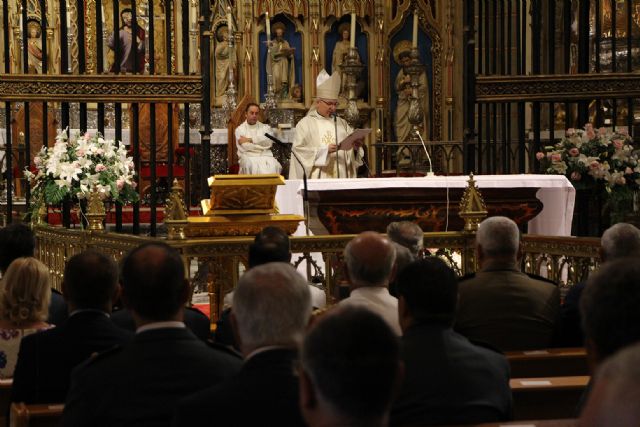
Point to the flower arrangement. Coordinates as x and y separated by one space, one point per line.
77 165
593 158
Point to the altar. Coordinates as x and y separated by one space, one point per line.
547 199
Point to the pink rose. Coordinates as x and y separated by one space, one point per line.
36 160
618 143
87 137
571 131
621 180
594 164
588 127
555 157
602 131
576 176
539 155
120 184
100 167
574 152
590 134
628 171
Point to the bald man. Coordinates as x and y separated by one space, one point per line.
371 265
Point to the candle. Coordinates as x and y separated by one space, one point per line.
229 21
268 24
415 29
352 40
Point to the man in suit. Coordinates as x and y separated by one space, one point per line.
370 259
618 241
195 320
350 369
46 359
140 383
616 392
448 380
500 305
16 241
271 308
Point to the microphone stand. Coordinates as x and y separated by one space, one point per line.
305 192
335 125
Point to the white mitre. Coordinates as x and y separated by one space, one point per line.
328 86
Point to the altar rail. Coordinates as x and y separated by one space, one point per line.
216 263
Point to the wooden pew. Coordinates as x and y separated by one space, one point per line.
547 398
5 401
553 362
40 415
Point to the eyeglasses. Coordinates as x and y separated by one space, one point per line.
330 103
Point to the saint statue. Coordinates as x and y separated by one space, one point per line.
402 55
34 46
127 48
340 52
223 61
281 62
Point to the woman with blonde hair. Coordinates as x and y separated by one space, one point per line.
25 293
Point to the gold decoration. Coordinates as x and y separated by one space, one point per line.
558 86
242 194
176 211
472 207
96 212
100 88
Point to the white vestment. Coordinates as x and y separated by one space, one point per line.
313 135
255 157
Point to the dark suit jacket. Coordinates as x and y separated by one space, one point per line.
572 335
140 383
265 392
448 380
46 359
196 321
57 309
508 310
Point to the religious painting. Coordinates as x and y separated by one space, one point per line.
401 43
337 45
284 62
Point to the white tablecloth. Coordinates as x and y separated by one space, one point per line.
556 194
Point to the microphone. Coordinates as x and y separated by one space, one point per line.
430 173
276 140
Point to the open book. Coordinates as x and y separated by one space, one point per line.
347 143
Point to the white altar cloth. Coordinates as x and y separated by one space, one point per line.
556 194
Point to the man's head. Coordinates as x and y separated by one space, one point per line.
609 308
350 368
613 400
270 245
427 293
90 281
498 242
153 283
251 113
619 241
327 107
16 241
327 92
271 306
370 258
407 234
126 16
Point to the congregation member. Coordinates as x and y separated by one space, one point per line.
610 309
46 359
271 309
618 241
315 140
350 369
17 240
370 260
616 392
448 380
141 382
407 234
254 149
24 300
500 305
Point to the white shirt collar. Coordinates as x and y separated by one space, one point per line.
161 325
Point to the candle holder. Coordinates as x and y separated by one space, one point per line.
416 113
351 68
231 94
